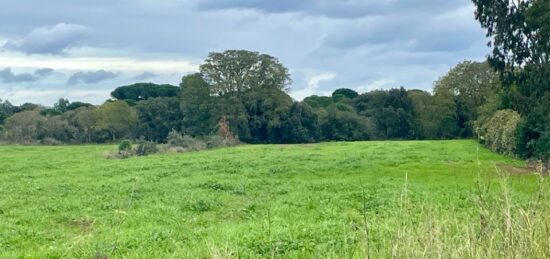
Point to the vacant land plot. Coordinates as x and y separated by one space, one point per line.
380 199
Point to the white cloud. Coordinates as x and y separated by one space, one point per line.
128 64
50 96
312 87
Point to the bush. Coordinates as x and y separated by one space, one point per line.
145 147
499 131
50 141
125 145
176 139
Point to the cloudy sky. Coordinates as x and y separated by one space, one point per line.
83 49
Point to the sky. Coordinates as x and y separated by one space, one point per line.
82 50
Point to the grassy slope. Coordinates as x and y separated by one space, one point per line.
263 200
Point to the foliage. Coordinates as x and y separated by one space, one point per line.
145 147
30 127
144 91
157 117
196 106
343 94
295 124
520 37
261 109
499 131
391 111
469 85
125 145
117 118
346 126
175 139
316 101
235 71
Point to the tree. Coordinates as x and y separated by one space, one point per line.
85 120
144 91
76 105
295 124
27 107
391 111
346 125
117 118
342 94
196 106
31 127
61 105
22 127
434 117
235 71
519 33
469 84
157 117
6 110
261 105
316 101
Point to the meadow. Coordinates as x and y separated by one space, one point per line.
391 199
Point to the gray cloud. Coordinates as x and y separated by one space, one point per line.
91 77
337 9
8 76
42 72
365 43
145 75
49 39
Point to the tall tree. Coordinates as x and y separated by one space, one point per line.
196 106
469 84
235 71
519 32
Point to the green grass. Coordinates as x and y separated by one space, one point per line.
338 200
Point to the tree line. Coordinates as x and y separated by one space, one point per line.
250 91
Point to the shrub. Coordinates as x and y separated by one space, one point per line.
499 131
145 147
125 145
50 141
176 139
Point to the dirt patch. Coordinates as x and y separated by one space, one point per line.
516 170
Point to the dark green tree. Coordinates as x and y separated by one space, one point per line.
144 91
260 105
157 117
235 71
344 94
295 124
519 33
197 106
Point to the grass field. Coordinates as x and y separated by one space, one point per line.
410 199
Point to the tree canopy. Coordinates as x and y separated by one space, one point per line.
144 91
235 71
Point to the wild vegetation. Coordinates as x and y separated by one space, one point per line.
401 199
